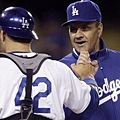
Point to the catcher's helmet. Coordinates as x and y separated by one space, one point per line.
18 22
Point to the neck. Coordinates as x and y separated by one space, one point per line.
21 47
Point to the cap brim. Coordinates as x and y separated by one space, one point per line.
77 20
21 33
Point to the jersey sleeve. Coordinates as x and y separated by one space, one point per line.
78 95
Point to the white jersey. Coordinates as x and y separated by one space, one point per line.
53 85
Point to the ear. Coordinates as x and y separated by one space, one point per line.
2 35
100 29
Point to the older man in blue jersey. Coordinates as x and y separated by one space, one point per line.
84 21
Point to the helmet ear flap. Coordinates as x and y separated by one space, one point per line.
18 22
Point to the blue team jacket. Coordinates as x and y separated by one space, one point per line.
108 80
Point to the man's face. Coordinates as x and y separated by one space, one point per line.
85 36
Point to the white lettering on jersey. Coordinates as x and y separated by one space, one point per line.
113 87
25 23
74 11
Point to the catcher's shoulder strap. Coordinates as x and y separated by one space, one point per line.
25 63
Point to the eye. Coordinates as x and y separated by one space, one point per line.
85 28
73 29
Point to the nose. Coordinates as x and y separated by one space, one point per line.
79 33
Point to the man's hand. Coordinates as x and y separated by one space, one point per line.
84 68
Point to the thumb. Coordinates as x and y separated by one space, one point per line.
95 64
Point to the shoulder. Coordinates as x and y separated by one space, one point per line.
66 57
57 67
113 57
55 64
113 52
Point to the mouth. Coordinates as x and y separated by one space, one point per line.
81 43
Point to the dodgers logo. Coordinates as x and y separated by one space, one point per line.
113 88
25 23
74 11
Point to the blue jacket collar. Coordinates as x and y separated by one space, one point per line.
101 54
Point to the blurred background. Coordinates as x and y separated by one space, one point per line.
50 14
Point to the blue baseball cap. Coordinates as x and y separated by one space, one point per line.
83 11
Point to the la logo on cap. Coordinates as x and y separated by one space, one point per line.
25 23
74 11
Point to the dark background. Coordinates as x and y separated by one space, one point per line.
50 14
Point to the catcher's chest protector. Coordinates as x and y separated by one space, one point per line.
29 66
